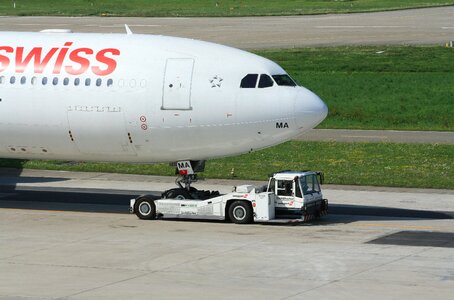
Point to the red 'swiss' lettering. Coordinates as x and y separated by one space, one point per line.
4 60
59 59
109 62
22 63
80 60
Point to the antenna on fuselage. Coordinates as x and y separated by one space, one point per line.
128 30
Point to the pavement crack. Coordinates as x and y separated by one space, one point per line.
104 285
212 255
74 266
355 274
165 269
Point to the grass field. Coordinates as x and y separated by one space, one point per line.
378 164
173 8
394 87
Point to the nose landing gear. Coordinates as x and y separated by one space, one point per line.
186 176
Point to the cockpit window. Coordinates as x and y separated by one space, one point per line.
265 81
284 80
249 81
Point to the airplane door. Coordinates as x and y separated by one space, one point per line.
177 84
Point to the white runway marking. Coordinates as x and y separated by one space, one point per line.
145 25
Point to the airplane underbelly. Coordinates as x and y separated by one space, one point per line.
205 142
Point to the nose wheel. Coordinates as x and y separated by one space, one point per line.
186 171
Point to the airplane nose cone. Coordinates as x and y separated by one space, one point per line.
310 110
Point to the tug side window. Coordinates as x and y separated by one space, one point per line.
285 187
298 189
249 81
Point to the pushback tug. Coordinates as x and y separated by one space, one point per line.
289 196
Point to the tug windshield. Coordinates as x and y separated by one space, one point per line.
309 184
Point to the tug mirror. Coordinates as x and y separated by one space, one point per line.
320 177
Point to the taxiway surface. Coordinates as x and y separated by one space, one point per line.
378 243
387 136
415 26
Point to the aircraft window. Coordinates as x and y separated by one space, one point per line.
265 81
249 81
44 81
87 81
109 82
284 80
12 80
66 81
55 81
34 80
23 80
76 81
98 82
2 79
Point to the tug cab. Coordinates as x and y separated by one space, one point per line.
295 190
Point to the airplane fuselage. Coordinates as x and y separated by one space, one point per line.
140 98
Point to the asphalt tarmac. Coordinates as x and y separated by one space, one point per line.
416 26
66 235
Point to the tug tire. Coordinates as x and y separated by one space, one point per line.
241 212
145 209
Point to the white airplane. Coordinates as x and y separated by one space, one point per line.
142 99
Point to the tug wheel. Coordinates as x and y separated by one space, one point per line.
145 209
241 212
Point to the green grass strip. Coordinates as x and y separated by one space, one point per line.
377 87
376 164
173 8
